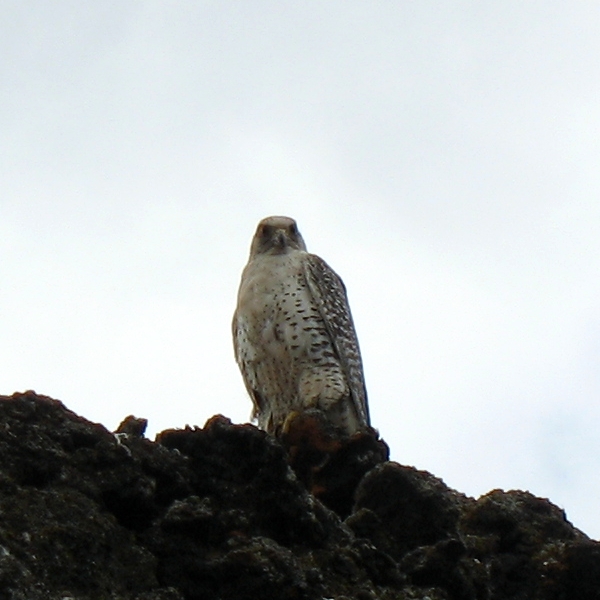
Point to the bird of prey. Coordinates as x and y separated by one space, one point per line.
293 334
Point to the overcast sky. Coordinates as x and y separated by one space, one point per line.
442 157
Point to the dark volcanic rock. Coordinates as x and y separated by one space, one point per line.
218 513
417 508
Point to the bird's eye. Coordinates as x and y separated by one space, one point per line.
267 231
293 229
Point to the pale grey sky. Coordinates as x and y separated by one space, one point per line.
442 157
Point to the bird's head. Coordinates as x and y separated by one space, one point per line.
276 235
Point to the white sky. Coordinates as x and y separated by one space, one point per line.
442 157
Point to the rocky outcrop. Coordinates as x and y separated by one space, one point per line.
218 513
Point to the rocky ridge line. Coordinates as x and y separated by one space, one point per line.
217 513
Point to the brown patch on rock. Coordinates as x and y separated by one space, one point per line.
329 464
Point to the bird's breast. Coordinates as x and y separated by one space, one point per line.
275 307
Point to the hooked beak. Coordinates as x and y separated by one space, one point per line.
280 239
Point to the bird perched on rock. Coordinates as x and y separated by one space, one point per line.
294 337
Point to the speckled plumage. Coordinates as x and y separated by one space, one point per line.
293 334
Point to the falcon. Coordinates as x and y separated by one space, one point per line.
293 334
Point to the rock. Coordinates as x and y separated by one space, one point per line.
329 465
400 509
219 513
132 426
